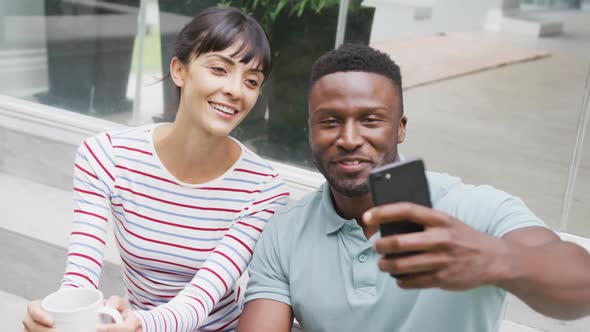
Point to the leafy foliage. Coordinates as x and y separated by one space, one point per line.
269 10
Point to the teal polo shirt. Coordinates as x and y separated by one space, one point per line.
324 268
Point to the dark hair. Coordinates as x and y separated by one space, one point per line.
217 28
351 57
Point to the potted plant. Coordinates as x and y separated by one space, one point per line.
300 31
88 64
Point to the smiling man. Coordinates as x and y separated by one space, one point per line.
321 260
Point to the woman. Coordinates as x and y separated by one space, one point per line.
187 201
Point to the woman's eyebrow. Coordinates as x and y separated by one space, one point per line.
225 59
231 62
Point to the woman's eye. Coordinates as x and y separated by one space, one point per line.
218 70
253 83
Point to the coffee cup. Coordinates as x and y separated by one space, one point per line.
78 310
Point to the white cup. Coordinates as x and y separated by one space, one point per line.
78 309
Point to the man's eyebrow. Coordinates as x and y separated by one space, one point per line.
324 111
231 62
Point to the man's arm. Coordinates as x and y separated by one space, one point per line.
550 275
268 295
265 315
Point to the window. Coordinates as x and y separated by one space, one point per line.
493 93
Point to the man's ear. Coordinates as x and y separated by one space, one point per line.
309 129
177 72
401 132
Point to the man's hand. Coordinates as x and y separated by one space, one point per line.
451 256
36 319
131 322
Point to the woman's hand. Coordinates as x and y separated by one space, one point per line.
36 319
131 322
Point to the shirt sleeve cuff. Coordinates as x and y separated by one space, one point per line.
139 315
532 223
268 296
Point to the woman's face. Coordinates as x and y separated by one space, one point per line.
217 91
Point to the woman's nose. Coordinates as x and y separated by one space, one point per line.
233 87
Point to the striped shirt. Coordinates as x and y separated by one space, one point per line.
183 247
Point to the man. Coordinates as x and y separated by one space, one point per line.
321 260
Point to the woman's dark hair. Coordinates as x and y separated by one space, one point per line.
217 28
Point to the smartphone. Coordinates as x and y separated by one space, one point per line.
403 181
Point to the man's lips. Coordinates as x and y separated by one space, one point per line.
352 165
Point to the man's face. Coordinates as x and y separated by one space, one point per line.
356 122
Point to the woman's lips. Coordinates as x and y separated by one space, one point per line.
224 111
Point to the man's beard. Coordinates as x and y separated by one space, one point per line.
346 187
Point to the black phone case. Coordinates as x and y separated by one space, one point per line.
400 182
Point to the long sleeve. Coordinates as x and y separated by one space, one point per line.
93 181
218 274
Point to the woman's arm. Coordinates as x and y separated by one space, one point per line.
190 308
93 180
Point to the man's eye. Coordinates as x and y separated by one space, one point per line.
328 121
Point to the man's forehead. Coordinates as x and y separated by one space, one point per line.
350 75
352 83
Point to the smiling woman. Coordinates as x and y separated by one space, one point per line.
217 89
187 202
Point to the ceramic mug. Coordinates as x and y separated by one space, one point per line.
78 309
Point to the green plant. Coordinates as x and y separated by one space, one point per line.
267 11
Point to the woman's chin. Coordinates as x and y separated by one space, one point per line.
220 130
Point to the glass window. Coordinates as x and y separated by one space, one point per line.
492 95
577 213
550 4
492 89
74 55
278 126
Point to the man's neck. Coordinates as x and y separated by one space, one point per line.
353 208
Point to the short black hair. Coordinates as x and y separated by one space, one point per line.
353 57
217 28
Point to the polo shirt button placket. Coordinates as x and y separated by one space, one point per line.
362 258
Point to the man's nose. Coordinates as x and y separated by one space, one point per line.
350 136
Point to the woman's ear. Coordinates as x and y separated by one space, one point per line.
177 71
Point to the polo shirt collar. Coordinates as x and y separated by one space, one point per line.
333 221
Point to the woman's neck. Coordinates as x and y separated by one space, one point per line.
192 155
